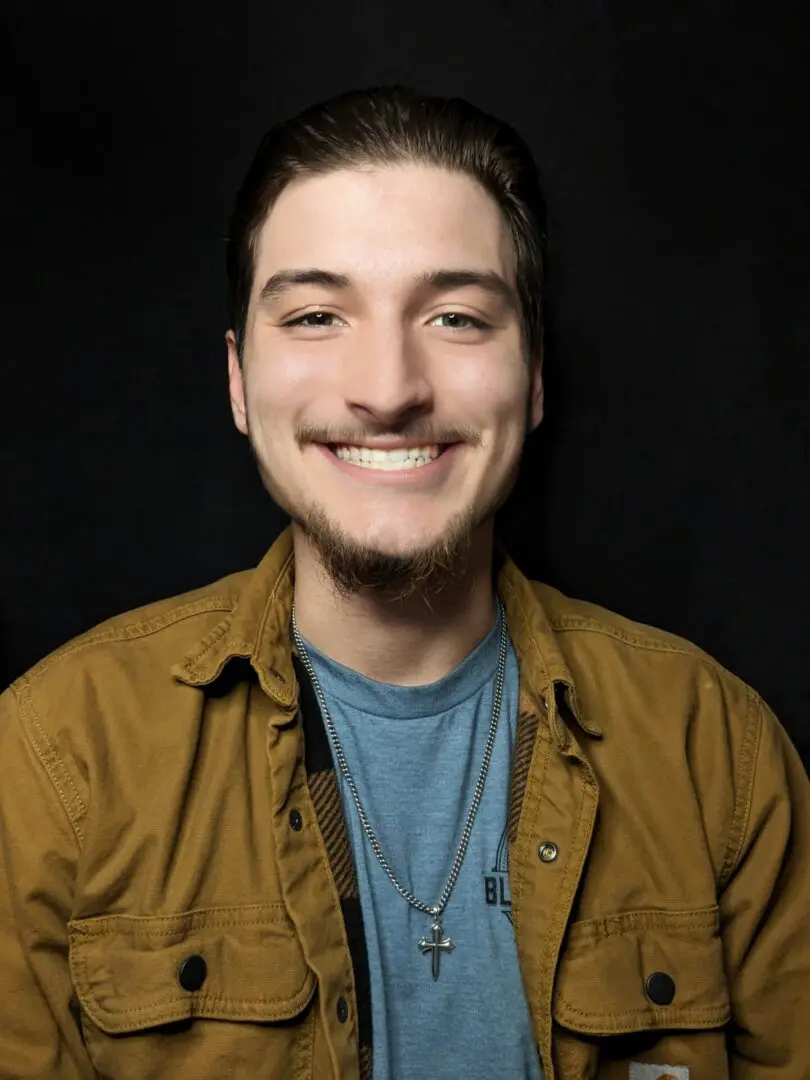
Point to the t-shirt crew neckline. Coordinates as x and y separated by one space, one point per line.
389 701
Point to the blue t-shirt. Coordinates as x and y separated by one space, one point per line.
415 753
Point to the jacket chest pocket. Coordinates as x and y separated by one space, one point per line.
217 992
642 996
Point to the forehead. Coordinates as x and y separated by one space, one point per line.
385 223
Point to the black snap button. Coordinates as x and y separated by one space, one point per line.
660 988
296 821
342 1010
191 972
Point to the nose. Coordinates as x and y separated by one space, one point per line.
386 377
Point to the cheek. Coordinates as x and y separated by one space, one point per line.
283 384
283 374
493 392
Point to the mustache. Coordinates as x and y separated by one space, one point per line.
315 433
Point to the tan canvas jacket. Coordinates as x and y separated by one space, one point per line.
176 889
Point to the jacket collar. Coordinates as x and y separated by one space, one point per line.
258 630
547 685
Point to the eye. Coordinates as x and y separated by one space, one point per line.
458 320
313 320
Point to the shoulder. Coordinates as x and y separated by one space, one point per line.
575 617
119 667
103 696
650 684
587 631
670 713
160 630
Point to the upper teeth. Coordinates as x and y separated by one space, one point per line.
409 458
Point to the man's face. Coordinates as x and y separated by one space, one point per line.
384 318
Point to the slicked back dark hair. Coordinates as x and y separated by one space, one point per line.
394 125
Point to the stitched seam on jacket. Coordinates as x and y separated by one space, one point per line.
98 925
645 1010
130 631
518 602
158 932
53 765
746 773
94 1009
553 938
198 1000
279 584
653 645
212 639
244 646
635 921
566 623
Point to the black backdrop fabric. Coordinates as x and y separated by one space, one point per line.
669 481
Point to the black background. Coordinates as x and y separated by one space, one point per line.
670 479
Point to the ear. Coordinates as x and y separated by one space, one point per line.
536 390
236 383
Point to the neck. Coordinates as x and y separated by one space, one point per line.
408 642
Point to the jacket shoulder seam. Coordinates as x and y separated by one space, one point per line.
108 634
48 757
665 643
746 772
673 644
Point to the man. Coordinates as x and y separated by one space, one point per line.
382 805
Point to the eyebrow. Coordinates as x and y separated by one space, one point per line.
434 281
283 280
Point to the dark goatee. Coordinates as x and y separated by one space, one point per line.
354 567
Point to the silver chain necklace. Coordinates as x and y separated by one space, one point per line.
436 944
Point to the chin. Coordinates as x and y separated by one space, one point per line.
389 559
393 542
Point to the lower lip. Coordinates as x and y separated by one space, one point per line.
423 473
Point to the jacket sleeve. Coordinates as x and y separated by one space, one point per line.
765 907
39 1034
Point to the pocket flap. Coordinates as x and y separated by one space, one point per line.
617 973
126 967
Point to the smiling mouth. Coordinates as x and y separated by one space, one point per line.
412 457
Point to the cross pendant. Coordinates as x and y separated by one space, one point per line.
436 945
